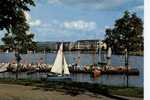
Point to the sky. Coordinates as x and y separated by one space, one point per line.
71 20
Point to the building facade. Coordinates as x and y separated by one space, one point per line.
86 45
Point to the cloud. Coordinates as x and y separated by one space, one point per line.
138 8
30 21
35 23
110 5
54 1
99 4
60 27
75 2
80 25
65 30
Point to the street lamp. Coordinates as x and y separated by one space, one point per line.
126 64
17 55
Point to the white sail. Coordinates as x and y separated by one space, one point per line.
109 52
109 56
66 70
58 65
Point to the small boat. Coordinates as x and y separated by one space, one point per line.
59 70
4 66
96 73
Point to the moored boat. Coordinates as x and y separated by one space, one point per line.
59 70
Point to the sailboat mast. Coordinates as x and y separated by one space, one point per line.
78 58
62 60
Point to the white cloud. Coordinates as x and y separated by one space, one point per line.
138 8
104 5
34 23
54 1
109 5
80 25
97 4
85 1
30 21
67 30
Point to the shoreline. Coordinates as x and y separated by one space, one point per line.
141 54
79 87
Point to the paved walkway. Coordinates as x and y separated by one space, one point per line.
19 92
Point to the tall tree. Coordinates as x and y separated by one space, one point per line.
127 33
13 20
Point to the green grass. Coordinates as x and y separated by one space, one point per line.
137 53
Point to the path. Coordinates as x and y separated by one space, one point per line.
20 92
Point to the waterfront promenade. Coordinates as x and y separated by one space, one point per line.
20 92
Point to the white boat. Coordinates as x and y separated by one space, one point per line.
4 67
59 70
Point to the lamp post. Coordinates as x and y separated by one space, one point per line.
17 55
18 58
126 65
99 51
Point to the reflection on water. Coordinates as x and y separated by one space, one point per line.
119 80
134 61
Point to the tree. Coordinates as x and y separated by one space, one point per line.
13 20
9 11
127 33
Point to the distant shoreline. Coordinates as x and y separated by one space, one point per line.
89 52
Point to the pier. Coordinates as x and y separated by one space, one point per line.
114 71
31 68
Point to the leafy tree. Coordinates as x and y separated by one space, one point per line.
13 20
10 11
127 33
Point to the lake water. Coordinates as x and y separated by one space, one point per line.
134 61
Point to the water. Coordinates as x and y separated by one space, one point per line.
134 61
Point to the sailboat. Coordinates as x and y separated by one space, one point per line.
60 69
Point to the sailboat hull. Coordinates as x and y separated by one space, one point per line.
58 78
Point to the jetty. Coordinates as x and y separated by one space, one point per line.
116 70
88 69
